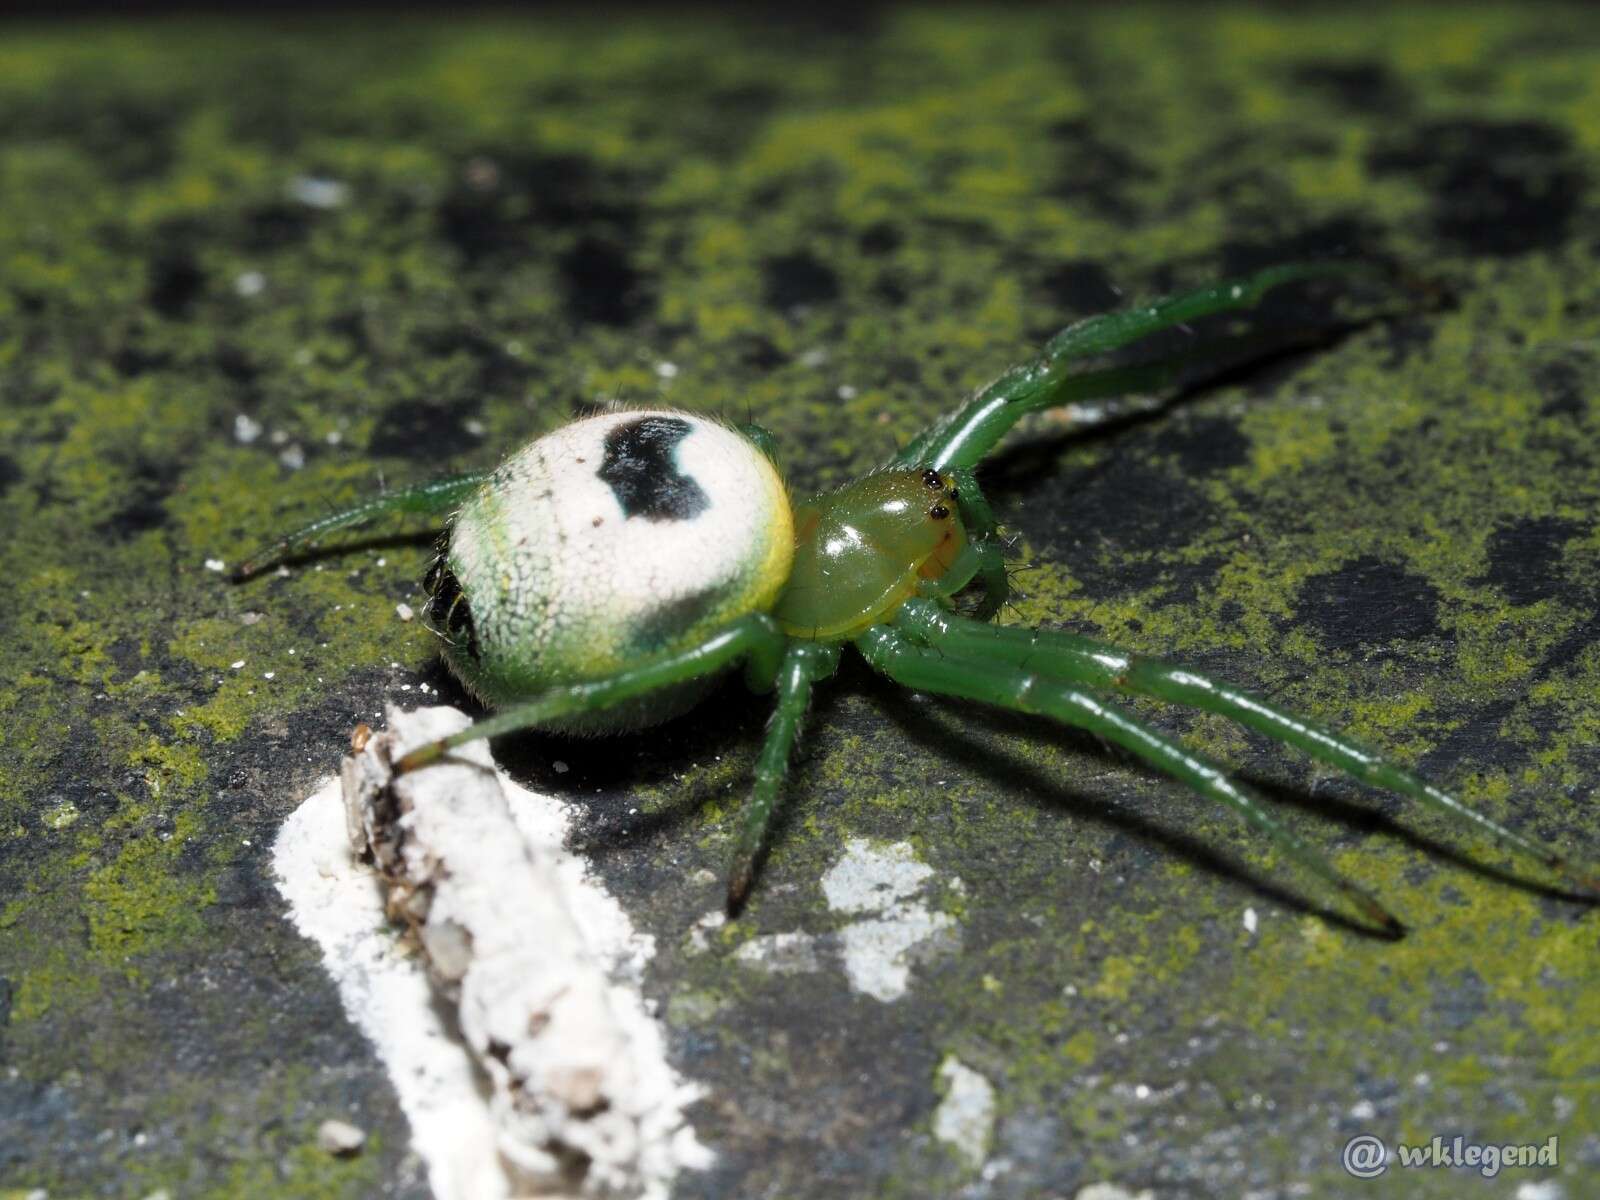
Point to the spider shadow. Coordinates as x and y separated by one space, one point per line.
602 775
1365 818
1359 816
948 736
1258 359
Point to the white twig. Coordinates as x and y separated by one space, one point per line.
580 1098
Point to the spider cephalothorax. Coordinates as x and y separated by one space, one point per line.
605 574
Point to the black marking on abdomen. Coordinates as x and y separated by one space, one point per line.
449 611
643 474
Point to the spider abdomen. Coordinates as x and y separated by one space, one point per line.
610 540
860 552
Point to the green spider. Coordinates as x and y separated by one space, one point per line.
604 576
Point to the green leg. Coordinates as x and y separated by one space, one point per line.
1096 665
804 663
1093 398
968 434
940 670
984 532
435 498
755 636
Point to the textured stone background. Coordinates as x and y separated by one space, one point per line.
400 245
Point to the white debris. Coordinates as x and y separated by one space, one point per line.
964 1119
293 456
667 370
551 1077
216 564
404 611
883 881
314 192
1543 1189
245 430
340 1137
1250 921
247 284
238 665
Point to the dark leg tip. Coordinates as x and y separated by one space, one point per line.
420 757
738 890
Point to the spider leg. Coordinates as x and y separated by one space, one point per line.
1100 666
963 438
435 498
1008 686
755 637
804 664
984 532
1118 393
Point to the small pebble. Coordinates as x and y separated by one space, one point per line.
405 611
318 193
340 1138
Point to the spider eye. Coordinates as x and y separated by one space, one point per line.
939 512
931 478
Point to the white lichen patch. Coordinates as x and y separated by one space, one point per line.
1112 1191
964 1120
470 1050
711 921
781 953
878 955
885 881
884 885
871 878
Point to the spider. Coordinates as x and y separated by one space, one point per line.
601 578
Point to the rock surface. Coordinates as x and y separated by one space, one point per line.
248 271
